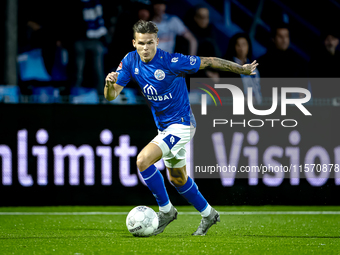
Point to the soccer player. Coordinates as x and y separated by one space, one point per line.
160 76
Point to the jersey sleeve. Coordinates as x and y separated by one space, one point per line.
184 63
124 75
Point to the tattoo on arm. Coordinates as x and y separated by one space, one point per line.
221 65
205 62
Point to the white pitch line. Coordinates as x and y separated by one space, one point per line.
183 213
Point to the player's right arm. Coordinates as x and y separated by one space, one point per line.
114 83
112 89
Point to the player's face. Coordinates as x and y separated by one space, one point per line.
146 45
281 39
241 48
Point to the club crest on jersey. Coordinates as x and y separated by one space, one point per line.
192 60
159 74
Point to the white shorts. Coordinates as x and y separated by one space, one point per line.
172 141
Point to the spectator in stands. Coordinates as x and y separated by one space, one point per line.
87 33
123 35
240 51
326 61
39 52
280 61
170 26
287 62
197 20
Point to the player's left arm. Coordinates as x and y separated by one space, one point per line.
226 65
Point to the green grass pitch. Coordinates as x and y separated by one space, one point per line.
242 230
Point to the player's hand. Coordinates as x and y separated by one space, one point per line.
111 78
249 69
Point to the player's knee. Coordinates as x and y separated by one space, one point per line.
142 162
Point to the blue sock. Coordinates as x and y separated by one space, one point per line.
191 193
155 181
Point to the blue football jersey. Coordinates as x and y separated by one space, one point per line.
162 82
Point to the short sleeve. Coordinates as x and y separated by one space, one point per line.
184 63
124 75
177 25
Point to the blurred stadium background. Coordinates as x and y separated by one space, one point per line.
62 143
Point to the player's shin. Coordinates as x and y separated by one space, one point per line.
191 193
155 182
